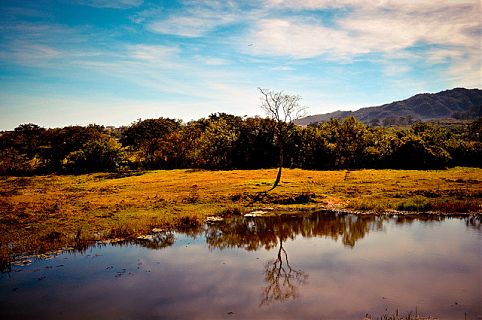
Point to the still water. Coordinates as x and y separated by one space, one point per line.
316 266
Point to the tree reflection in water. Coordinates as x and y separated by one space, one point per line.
282 280
270 232
254 233
159 240
251 234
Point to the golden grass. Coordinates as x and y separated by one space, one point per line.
45 212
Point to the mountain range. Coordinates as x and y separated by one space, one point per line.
458 103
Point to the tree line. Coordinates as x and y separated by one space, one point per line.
223 141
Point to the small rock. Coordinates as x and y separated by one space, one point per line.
22 263
256 213
214 219
146 237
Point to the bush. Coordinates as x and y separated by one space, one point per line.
103 154
13 162
412 152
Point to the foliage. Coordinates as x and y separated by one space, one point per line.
224 141
13 162
145 131
103 154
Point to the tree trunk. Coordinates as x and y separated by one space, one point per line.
278 177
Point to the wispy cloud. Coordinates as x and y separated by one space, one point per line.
211 61
47 47
298 39
396 69
30 54
152 53
19 12
196 19
114 4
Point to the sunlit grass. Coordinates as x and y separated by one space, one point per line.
45 212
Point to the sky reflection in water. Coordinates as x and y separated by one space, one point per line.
312 267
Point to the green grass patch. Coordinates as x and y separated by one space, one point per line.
374 205
417 204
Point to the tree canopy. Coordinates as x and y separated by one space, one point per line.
224 141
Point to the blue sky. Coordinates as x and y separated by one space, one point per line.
108 62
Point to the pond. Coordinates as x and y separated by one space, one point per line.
311 266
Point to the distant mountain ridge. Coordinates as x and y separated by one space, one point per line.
458 103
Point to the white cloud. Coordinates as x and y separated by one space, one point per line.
389 26
444 55
466 69
299 39
414 5
444 31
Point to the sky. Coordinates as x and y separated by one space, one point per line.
69 62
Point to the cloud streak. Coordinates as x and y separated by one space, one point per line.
113 4
197 18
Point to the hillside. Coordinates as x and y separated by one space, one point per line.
458 103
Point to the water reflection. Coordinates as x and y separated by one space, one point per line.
281 279
156 241
254 233
313 266
265 232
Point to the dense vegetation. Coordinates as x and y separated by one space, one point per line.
224 141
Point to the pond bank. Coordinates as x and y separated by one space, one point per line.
44 213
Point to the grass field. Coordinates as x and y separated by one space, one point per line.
43 213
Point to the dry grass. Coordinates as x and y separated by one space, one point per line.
47 212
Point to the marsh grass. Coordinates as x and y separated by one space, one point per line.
457 206
411 315
417 204
372 205
43 213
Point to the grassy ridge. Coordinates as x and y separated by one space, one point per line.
47 212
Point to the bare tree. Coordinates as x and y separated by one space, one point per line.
283 108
